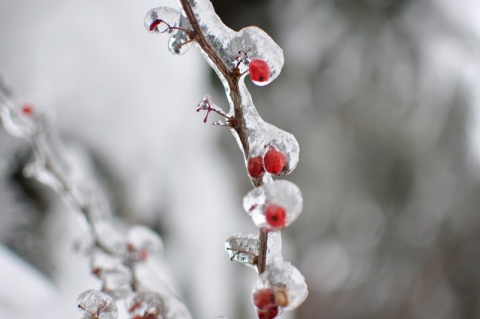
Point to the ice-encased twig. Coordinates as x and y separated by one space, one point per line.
52 167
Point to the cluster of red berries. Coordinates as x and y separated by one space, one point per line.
268 301
273 162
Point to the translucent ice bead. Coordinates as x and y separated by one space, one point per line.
275 151
275 205
280 285
142 241
95 304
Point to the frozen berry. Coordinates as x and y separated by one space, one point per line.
263 298
274 161
275 216
259 70
269 313
155 24
27 110
255 167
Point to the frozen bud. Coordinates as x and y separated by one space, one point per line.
275 205
146 305
243 248
95 304
171 21
141 242
159 20
286 283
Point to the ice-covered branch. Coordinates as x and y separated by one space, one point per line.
117 259
267 149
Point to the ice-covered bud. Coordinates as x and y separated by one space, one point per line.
285 284
275 205
141 242
171 21
243 248
95 304
146 305
259 71
162 19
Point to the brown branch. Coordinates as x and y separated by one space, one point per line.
232 79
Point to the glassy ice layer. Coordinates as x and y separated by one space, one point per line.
282 276
280 192
243 248
95 304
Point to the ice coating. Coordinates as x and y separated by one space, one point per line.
274 250
116 278
280 192
228 43
264 136
285 279
141 240
170 21
145 303
95 304
243 247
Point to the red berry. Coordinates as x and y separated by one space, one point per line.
255 167
259 70
27 109
269 313
274 161
134 307
275 216
155 24
143 255
264 298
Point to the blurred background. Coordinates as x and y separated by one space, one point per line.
382 97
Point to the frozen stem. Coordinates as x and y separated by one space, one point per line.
232 78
